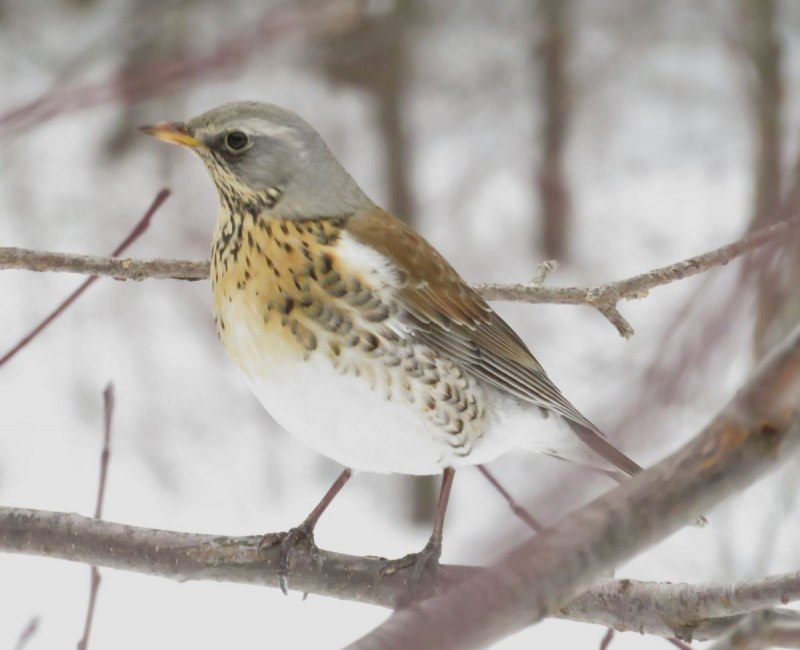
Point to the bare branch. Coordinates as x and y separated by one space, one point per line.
27 633
608 637
117 268
686 610
166 75
603 297
515 507
543 269
768 628
606 296
758 427
105 456
137 231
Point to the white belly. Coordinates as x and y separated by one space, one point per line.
362 424
371 424
342 417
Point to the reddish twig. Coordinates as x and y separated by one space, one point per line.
94 585
161 76
608 637
137 231
517 509
108 410
27 633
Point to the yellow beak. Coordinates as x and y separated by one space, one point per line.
172 132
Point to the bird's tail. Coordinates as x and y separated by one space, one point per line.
598 443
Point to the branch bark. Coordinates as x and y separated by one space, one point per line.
765 629
604 297
701 611
757 428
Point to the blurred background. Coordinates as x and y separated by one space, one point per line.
611 135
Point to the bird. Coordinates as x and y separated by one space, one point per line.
353 331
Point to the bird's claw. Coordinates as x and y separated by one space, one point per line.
288 543
423 573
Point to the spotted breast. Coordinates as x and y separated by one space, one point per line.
311 317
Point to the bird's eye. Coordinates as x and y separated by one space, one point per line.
236 140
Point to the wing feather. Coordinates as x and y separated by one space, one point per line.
442 311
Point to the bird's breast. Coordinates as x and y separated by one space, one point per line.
314 322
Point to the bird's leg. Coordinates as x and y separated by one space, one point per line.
425 564
428 557
305 531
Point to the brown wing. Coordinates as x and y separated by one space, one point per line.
448 315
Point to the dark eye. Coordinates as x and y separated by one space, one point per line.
236 140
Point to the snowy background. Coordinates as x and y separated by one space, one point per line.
660 166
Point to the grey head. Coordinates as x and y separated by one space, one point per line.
261 156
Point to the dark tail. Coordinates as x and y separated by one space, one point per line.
598 444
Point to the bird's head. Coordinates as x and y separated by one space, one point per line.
265 157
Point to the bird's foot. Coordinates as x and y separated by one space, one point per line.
421 573
301 536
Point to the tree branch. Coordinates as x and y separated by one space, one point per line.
137 231
606 296
687 611
603 297
758 427
769 628
702 611
105 456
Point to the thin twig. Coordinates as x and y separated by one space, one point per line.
759 427
137 231
145 81
603 297
108 412
543 269
517 509
27 633
117 268
94 585
608 637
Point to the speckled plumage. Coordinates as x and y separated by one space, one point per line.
295 298
354 332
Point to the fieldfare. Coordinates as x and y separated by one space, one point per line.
352 330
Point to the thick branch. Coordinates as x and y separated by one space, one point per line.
701 611
603 297
760 426
687 611
769 628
